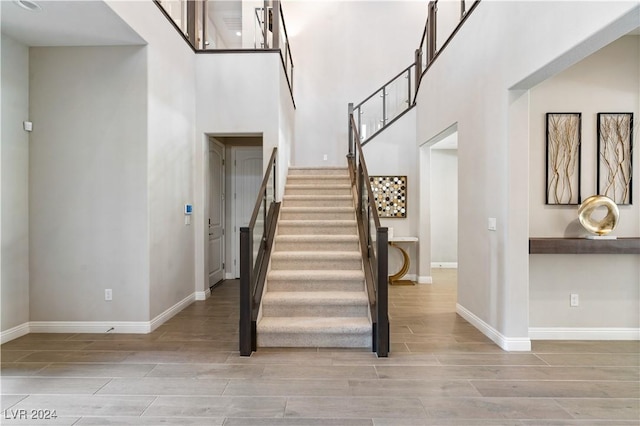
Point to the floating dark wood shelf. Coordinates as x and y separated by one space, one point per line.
583 246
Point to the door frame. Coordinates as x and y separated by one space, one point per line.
214 141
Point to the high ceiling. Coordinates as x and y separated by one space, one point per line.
66 23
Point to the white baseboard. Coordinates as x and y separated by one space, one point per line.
444 265
584 333
14 333
514 344
425 279
133 327
169 313
203 295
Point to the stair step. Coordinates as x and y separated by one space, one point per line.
349 332
283 280
317 243
296 171
316 260
315 303
317 213
319 179
317 201
317 227
319 189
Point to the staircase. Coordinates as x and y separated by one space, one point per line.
316 295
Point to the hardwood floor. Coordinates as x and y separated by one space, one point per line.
441 371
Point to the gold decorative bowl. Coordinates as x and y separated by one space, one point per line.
603 226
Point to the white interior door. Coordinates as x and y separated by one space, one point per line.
216 212
247 175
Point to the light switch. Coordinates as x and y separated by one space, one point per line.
492 224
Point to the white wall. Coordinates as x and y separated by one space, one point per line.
493 273
444 206
387 154
170 124
607 285
343 51
591 86
15 180
239 94
88 184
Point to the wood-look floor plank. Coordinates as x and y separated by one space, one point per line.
441 371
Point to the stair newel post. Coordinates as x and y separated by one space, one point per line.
384 106
247 337
275 24
265 29
408 87
382 331
431 31
275 179
418 71
351 147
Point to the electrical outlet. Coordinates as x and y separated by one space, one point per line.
325 157
108 294
574 300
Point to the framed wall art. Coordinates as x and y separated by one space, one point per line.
615 168
390 195
563 146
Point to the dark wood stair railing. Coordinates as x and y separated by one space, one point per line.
373 243
253 269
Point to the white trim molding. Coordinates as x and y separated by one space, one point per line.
511 344
14 333
425 279
584 333
169 313
444 265
133 327
203 295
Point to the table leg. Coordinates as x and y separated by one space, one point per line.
395 279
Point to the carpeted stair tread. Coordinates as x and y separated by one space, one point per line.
318 185
313 197
343 298
301 171
315 325
298 209
316 238
331 275
317 222
313 255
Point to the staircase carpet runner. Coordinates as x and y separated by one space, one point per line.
315 292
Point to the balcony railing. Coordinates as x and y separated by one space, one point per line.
222 26
386 104
398 95
439 29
